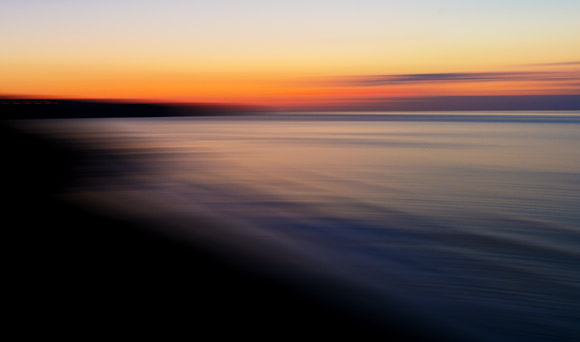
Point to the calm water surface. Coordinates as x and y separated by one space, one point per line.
471 219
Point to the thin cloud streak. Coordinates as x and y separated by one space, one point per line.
551 64
382 80
453 103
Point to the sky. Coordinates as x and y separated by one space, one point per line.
288 53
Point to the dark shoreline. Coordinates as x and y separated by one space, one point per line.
17 109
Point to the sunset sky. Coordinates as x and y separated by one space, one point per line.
288 53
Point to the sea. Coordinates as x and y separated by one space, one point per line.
469 220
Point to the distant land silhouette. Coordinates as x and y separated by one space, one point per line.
26 108
18 108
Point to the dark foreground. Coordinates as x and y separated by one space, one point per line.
76 271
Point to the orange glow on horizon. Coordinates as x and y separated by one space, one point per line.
272 54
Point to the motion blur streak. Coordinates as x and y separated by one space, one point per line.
467 222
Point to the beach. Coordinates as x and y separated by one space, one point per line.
412 227
89 266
